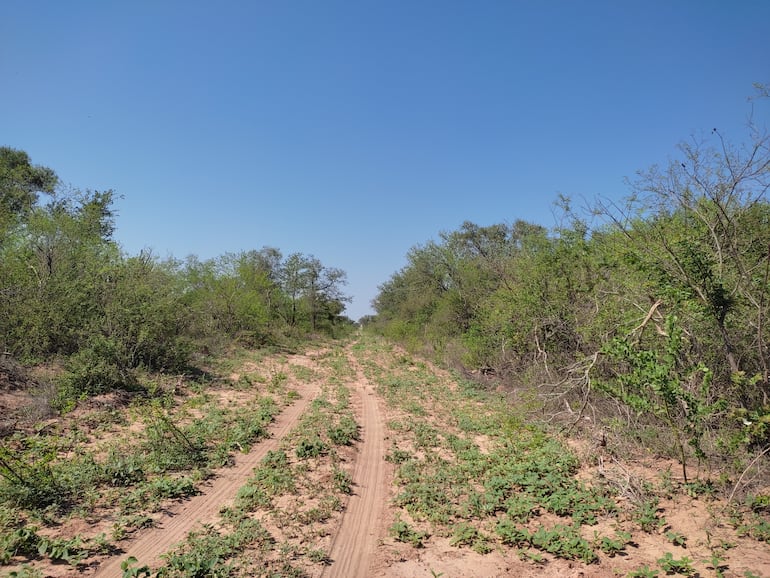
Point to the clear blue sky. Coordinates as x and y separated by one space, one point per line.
354 130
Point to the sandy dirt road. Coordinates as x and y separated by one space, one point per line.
355 541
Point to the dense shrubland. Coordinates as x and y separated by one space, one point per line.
69 295
648 317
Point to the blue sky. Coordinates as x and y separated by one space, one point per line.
354 130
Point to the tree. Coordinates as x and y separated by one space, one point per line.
323 293
293 281
314 291
235 295
260 272
20 184
491 297
51 269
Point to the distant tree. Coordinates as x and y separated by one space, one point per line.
367 320
324 295
260 271
495 296
294 280
236 295
314 291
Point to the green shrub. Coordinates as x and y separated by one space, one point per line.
511 534
311 448
403 532
29 481
345 432
274 473
123 470
564 542
94 369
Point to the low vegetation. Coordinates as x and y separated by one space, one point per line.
118 469
472 471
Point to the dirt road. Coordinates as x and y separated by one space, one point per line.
356 538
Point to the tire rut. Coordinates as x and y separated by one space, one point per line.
181 519
355 543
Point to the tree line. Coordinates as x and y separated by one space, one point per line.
69 293
650 313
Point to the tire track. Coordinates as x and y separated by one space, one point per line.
176 523
354 545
